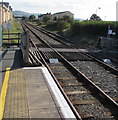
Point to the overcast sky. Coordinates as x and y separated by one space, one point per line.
81 8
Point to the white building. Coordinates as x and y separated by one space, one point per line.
44 15
59 15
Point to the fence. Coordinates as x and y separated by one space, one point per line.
110 44
11 38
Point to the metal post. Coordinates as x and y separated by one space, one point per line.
8 36
0 35
18 39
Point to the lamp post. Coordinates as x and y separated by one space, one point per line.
97 9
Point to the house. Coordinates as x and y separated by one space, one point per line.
5 12
60 15
56 16
43 15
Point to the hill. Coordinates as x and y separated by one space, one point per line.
22 13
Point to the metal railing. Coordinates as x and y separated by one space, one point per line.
11 38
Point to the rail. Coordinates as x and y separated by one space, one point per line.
61 89
76 72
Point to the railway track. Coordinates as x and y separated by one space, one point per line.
82 92
100 56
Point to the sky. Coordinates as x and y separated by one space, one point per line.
83 9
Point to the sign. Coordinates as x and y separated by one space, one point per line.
54 60
109 32
8 26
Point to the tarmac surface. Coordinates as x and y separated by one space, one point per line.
9 58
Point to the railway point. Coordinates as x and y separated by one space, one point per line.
44 75
29 92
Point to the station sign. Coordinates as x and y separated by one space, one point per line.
110 32
8 26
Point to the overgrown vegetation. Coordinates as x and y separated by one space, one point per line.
16 28
93 27
88 32
61 25
84 32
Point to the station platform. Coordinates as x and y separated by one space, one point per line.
30 92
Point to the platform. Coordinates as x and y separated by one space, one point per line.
30 92
9 57
28 96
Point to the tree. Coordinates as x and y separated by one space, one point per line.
67 19
95 17
24 17
61 26
32 17
46 18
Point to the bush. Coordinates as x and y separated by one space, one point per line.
52 25
62 25
93 27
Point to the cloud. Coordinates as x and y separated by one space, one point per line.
80 8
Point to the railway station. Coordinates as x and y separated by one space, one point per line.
42 80
46 76
46 101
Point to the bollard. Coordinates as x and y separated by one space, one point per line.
26 51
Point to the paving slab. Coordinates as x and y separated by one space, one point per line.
41 103
28 96
16 105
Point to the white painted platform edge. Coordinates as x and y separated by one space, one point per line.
65 108
28 68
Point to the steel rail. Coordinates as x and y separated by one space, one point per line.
110 68
55 79
86 80
106 66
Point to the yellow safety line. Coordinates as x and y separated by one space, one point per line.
4 92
